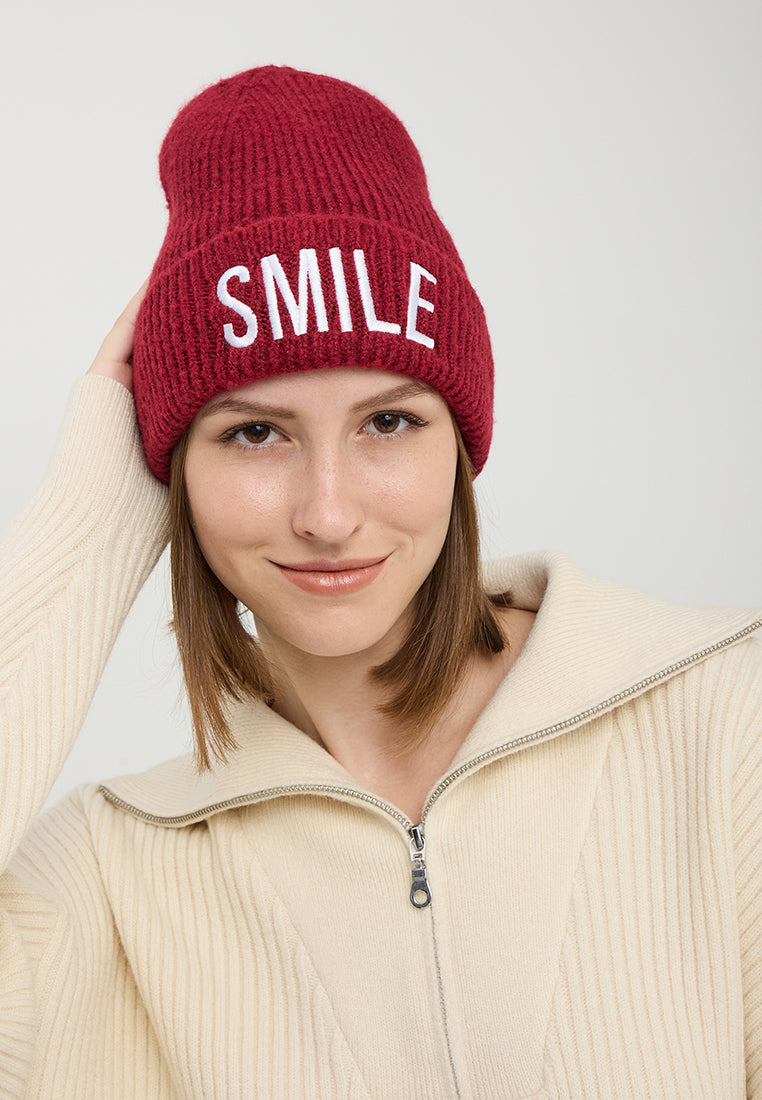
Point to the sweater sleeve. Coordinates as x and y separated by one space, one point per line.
70 568
747 832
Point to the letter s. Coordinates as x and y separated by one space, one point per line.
225 297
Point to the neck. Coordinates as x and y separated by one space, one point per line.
339 708
331 698
335 700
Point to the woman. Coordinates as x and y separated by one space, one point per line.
434 842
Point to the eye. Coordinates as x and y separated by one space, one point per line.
392 423
386 423
253 434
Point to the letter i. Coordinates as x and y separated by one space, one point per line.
340 284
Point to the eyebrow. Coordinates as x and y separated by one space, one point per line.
230 403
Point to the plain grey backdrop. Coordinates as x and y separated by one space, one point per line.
599 166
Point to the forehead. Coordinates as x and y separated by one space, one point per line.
344 386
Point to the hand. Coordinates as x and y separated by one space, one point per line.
114 358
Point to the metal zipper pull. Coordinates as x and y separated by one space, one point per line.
420 895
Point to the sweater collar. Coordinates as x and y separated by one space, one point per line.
593 644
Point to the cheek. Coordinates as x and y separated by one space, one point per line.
434 507
229 511
417 496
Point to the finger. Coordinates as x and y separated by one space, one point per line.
118 343
114 358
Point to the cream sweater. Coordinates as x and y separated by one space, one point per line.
593 857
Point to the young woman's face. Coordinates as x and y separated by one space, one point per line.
321 500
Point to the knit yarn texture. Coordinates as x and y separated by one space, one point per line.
301 235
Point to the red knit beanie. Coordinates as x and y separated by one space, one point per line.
301 235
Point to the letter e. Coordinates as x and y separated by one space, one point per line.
416 302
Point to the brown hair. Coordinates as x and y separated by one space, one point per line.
454 620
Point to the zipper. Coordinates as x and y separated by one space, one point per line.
420 892
249 799
591 712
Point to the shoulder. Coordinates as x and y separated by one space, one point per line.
53 886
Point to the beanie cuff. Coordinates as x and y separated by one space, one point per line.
301 293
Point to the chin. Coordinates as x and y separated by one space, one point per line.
339 640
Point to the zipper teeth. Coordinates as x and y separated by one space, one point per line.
307 788
606 704
250 797
443 1009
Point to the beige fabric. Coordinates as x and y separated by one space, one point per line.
594 855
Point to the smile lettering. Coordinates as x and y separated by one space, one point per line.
279 293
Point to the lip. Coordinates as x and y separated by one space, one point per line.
332 577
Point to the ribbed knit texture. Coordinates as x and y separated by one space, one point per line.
272 162
596 921
71 565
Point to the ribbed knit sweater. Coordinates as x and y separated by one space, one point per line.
593 855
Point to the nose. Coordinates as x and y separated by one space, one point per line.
328 505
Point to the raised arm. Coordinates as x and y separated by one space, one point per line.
70 568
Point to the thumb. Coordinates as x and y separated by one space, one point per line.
114 358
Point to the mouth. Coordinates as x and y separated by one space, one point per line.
332 577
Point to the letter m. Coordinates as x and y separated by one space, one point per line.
274 280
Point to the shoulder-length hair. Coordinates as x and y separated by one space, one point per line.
454 620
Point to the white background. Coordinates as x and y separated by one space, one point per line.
599 166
